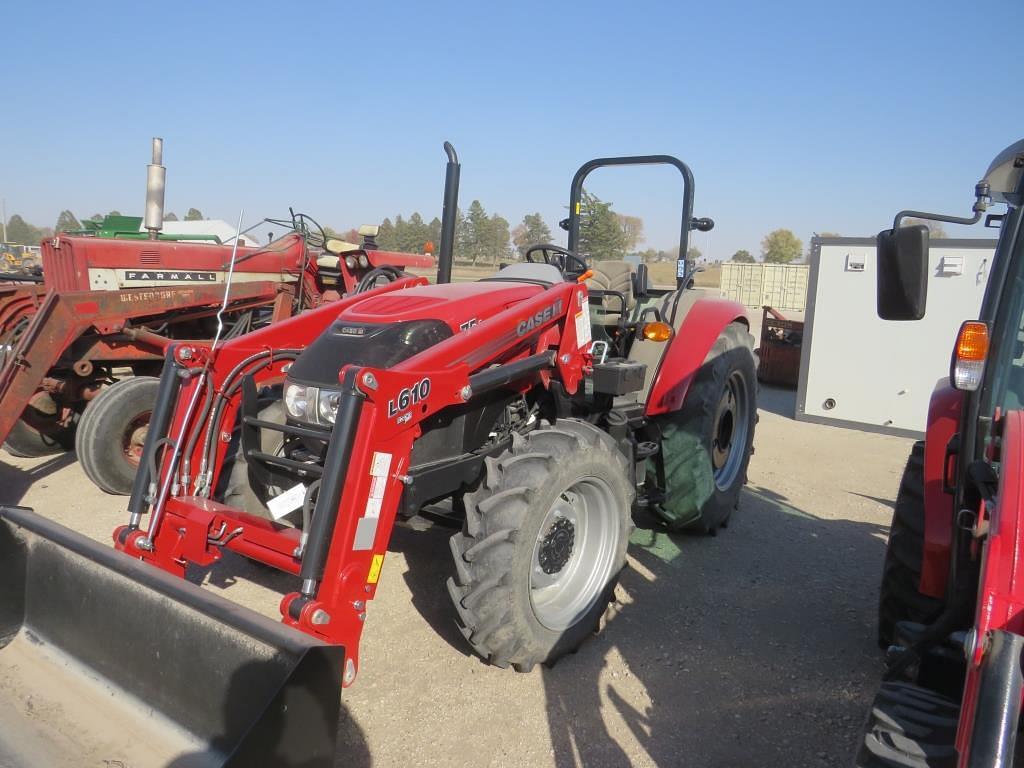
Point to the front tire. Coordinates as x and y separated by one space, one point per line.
112 432
543 543
899 597
707 443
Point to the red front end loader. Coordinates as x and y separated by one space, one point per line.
952 593
538 409
80 355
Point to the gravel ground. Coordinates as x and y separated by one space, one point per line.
752 647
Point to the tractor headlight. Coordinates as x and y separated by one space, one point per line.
363 261
327 405
300 401
350 262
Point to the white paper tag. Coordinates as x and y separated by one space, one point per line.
377 487
373 507
288 501
583 335
381 464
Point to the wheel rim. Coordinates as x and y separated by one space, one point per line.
574 553
10 340
729 437
134 438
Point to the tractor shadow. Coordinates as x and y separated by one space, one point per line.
752 647
255 730
15 481
424 544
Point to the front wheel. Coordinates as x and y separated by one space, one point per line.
112 433
707 443
900 597
542 546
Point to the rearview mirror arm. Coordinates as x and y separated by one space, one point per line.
981 203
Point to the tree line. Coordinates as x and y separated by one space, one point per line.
21 232
483 239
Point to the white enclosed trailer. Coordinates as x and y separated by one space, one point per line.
857 370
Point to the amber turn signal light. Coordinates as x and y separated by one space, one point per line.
969 356
657 331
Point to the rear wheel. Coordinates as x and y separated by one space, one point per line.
39 432
112 432
542 546
899 596
27 442
706 444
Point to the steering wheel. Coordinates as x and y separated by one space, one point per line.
386 272
568 263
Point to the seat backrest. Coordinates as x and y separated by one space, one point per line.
531 272
613 276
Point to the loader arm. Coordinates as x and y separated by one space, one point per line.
62 318
367 458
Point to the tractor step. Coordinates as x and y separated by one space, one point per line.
106 660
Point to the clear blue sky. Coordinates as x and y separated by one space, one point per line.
809 115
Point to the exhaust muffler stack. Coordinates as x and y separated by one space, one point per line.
156 184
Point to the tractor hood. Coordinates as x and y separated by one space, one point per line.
384 330
459 305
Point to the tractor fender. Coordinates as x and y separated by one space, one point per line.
697 326
943 423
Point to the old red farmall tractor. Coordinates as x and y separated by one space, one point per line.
81 353
951 612
545 402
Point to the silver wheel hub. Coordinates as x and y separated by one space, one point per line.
574 553
729 433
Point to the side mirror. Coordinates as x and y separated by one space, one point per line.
903 273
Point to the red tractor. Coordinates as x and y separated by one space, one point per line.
543 405
80 354
952 594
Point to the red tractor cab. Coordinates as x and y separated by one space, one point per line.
953 582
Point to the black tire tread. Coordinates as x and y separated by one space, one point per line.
899 598
697 414
93 434
909 727
484 589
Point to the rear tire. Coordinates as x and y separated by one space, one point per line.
707 443
112 431
27 442
543 543
899 596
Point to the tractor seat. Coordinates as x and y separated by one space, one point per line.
612 276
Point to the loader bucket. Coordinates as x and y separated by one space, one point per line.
106 661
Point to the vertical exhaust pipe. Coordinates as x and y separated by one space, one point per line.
449 214
156 183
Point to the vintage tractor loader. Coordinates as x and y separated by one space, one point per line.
544 403
951 611
80 355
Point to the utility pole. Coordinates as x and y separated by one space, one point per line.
3 217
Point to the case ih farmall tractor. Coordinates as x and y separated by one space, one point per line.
950 611
80 355
541 406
